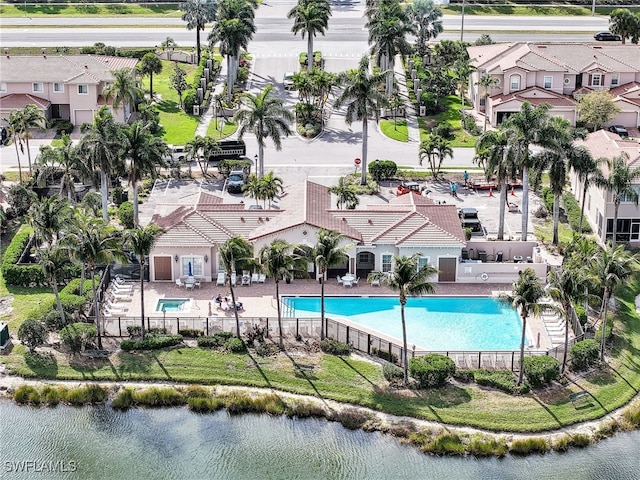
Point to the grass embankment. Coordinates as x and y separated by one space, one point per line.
529 10
220 129
90 10
450 115
395 130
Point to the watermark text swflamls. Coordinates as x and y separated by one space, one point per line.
37 466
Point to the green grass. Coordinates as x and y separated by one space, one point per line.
89 10
450 115
397 132
544 232
227 130
179 126
523 10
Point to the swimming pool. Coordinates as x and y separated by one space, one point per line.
174 305
433 323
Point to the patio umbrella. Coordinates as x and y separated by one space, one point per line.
190 270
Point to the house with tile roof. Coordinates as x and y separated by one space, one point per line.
373 234
67 87
555 73
599 206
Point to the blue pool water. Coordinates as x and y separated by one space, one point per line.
173 305
433 323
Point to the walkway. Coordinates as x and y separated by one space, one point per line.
410 114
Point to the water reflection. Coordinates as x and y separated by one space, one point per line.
176 443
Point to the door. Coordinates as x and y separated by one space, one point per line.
447 269
162 268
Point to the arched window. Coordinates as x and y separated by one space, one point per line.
515 82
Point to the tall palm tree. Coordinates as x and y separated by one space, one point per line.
346 193
66 161
93 242
266 117
363 101
30 117
408 279
14 127
310 17
488 82
613 267
254 188
47 217
443 150
272 186
234 30
124 90
145 153
492 148
327 253
388 26
586 167
525 128
236 254
462 70
53 260
619 183
150 65
141 242
525 297
566 286
279 260
427 22
197 13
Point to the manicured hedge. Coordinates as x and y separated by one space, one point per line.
431 370
541 371
21 275
584 354
572 209
333 347
383 169
152 342
216 340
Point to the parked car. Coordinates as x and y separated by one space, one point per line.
236 181
619 129
607 37
469 219
287 81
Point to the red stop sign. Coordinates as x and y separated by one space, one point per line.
357 161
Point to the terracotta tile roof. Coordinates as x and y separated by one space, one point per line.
16 101
552 98
627 88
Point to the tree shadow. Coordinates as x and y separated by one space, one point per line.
133 364
257 365
348 364
43 364
164 370
548 410
168 106
309 377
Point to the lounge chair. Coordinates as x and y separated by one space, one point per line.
262 278
355 282
222 277
375 282
246 280
120 288
254 277
179 282
234 279
117 296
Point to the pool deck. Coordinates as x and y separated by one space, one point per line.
259 299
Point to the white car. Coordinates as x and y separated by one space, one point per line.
287 80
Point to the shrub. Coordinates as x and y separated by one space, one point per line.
541 370
22 275
584 355
632 415
32 333
20 200
134 330
63 127
26 395
152 342
86 395
51 395
191 332
333 347
385 355
446 444
267 349
529 445
581 313
125 214
431 370
78 336
351 418
572 209
204 404
392 373
218 339
53 321
304 409
471 126
547 198
235 345
189 100
123 400
443 130
158 397
480 447
382 169
500 379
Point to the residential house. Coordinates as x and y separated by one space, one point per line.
68 87
558 74
599 207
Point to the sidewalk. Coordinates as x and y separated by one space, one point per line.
216 88
410 114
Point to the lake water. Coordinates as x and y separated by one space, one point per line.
92 443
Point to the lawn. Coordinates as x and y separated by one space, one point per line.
221 129
450 115
396 131
179 126
90 10
529 11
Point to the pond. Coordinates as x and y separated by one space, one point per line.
100 443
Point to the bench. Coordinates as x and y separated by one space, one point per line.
96 353
579 396
303 368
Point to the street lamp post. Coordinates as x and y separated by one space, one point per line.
462 22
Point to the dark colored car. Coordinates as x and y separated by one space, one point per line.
236 181
469 219
619 129
607 37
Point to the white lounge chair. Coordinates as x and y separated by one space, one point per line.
234 279
339 279
375 282
355 282
222 277
120 288
262 278
116 296
179 282
254 277
246 280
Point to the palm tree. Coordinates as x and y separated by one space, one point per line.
150 65
428 150
566 286
327 253
101 144
234 30
310 17
197 13
141 242
527 127
525 297
266 117
93 242
146 154
408 279
14 127
613 267
624 23
279 260
363 101
346 193
124 89
53 260
47 217
254 188
622 176
272 186
462 70
488 82
30 117
427 22
64 160
443 150
586 167
492 148
236 254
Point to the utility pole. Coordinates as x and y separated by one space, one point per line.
462 23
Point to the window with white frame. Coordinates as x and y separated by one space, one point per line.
626 197
515 82
37 87
615 79
193 265
83 89
3 87
387 264
422 262
548 81
595 79
58 87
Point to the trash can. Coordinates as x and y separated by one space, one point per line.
482 255
499 257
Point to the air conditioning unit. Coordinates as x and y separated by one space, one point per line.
196 110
